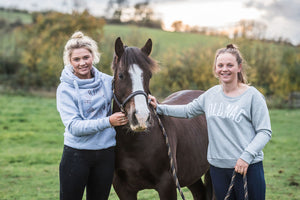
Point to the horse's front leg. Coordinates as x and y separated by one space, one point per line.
166 187
122 190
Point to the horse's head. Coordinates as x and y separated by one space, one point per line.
133 69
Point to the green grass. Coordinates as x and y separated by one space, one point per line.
31 142
282 156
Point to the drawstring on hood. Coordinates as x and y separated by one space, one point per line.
84 106
69 77
78 99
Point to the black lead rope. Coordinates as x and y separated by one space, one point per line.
173 169
232 184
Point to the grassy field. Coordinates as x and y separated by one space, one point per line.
31 143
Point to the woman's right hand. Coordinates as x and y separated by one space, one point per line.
153 101
118 119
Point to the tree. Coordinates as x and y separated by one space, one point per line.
44 41
145 16
116 7
79 5
143 12
250 29
177 26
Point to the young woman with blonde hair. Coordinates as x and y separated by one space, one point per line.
84 102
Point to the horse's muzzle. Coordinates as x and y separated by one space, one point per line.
139 122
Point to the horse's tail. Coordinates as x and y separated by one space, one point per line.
208 186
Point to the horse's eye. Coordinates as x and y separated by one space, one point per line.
121 76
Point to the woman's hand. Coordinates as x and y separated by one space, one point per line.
241 166
153 101
118 119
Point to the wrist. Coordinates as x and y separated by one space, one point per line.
110 123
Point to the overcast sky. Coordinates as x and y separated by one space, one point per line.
281 16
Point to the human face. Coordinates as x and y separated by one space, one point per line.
82 62
227 68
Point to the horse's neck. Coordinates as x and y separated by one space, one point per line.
115 107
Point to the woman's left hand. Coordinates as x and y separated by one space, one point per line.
153 101
241 167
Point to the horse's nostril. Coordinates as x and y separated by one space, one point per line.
148 119
134 119
134 112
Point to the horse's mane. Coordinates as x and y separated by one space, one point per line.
134 55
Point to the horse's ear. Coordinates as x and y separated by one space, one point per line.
148 47
119 47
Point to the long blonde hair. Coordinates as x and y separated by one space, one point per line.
233 49
79 40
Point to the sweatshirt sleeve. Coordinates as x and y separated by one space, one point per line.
72 119
262 127
189 110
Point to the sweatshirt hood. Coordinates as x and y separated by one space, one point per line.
67 76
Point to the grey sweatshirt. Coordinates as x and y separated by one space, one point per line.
238 127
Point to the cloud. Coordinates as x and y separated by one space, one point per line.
281 16
288 9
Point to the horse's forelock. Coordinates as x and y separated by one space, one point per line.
134 55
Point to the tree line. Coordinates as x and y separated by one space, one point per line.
31 58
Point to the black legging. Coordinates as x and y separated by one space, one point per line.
92 169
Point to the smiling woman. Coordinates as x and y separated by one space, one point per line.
238 126
84 103
82 61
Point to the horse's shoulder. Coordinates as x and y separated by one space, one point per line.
182 96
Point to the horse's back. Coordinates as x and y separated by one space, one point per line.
182 97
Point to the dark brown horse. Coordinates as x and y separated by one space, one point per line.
141 153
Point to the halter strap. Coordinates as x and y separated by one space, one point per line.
122 105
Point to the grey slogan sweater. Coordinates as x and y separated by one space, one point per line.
238 127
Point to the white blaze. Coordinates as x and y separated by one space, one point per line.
140 101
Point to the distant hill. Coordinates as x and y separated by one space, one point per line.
12 16
162 40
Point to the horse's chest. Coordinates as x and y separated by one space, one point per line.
140 168
135 173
